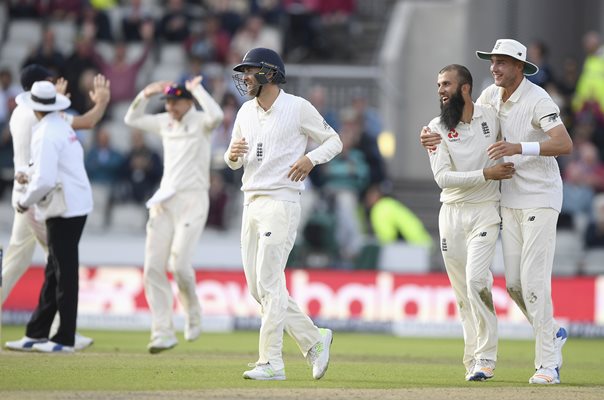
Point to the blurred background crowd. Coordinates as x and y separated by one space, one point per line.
353 204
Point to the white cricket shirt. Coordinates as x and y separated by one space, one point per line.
58 156
525 117
186 143
277 138
21 125
459 159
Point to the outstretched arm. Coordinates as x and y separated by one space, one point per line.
100 95
136 117
213 114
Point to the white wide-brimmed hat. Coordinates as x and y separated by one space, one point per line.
512 48
43 97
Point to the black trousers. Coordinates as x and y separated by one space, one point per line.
61 282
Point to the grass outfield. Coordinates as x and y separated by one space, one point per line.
363 366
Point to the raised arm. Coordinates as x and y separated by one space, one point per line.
100 96
213 114
136 117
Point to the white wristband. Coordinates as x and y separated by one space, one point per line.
530 148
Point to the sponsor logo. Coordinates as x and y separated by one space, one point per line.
118 293
443 244
531 218
482 234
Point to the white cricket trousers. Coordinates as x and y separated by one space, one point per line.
173 231
21 246
529 239
468 234
268 234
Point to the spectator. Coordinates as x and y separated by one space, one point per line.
222 134
8 91
590 85
174 25
209 41
142 169
123 75
66 10
366 143
391 220
97 23
134 15
302 33
318 98
594 235
255 33
195 67
47 54
26 9
336 28
230 12
537 53
103 162
219 199
370 116
79 61
270 10
583 177
344 179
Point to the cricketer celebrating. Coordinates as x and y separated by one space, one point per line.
276 125
533 134
530 202
172 233
469 217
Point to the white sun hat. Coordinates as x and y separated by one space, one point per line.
512 48
43 97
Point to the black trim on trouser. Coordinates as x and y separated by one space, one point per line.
60 289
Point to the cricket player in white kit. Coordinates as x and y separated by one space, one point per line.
179 209
26 230
269 141
533 135
469 218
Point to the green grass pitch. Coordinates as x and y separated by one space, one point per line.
119 363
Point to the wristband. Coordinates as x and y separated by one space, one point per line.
530 148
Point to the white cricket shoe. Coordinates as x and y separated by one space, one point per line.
545 376
52 347
23 344
483 370
264 372
161 343
82 342
192 332
470 370
318 355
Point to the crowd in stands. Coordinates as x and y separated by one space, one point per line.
213 35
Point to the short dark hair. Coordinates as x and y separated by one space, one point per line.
463 74
34 73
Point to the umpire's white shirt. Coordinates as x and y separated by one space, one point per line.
58 156
277 138
186 143
459 159
22 122
525 117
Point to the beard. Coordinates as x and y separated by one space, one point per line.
451 112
